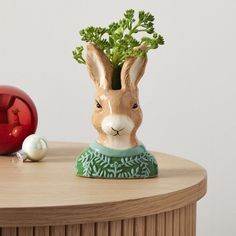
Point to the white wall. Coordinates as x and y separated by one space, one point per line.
188 92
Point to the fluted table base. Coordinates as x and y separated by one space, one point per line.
179 222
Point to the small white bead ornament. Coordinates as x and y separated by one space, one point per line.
34 148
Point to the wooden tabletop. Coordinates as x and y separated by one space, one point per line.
48 192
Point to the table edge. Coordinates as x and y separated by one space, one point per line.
99 212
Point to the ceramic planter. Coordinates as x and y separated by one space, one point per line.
116 153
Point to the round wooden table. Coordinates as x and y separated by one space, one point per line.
46 198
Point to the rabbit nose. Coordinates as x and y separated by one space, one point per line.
116 127
116 123
117 130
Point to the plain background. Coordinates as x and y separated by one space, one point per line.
188 92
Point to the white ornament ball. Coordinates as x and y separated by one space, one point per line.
35 147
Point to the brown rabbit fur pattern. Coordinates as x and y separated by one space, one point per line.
117 114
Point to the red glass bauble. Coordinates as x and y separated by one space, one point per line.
18 118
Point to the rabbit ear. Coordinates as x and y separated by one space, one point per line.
99 67
133 70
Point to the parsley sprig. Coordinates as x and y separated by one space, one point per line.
117 40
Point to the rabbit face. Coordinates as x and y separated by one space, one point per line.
117 114
116 117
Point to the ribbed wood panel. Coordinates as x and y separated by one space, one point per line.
58 230
161 224
140 226
151 225
26 231
102 229
182 223
176 222
41 231
9 231
128 227
193 219
179 222
73 230
187 221
169 223
115 228
88 230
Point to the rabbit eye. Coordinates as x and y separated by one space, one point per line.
135 106
98 105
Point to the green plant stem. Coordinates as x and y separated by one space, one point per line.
116 82
82 61
135 28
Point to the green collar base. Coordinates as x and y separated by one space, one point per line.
117 152
98 161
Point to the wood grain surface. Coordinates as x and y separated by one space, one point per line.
49 193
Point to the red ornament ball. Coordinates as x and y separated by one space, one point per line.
18 118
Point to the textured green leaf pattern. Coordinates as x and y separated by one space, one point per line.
91 163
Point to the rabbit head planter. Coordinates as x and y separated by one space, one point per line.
117 115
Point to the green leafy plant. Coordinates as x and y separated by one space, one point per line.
118 41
